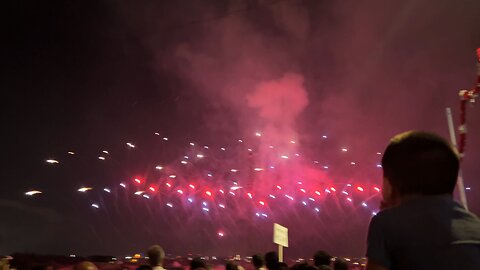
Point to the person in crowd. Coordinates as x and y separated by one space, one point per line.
340 264
321 260
156 255
258 262
144 267
421 226
231 266
271 260
302 266
197 263
85 265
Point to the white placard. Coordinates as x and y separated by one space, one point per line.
280 235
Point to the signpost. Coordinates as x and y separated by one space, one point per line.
280 237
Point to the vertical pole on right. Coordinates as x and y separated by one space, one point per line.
453 139
280 253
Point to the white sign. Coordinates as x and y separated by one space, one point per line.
280 235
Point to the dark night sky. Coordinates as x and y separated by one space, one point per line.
92 75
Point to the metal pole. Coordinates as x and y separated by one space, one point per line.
453 139
280 253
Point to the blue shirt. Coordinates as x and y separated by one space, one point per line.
430 232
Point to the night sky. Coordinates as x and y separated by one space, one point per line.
88 76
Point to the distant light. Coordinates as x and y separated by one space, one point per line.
52 161
352 163
204 203
106 190
311 199
344 149
131 145
344 192
165 138
185 157
297 154
316 161
333 189
33 192
168 184
468 188
316 209
209 174
234 170
231 192
221 205
348 199
359 188
240 141
190 200
235 187
249 150
349 185
290 197
374 213
324 136
71 153
146 196
258 169
249 195
72 255
376 189
156 133
378 153
303 190
101 158
205 209
172 176
220 234
292 141
221 191
364 204
258 134
206 147
95 205
179 191
191 186
271 196
325 167
170 205
304 202
159 167
327 191
183 162
272 167
299 182
270 146
223 149
152 189
192 144
379 165
139 192
84 189
264 215
279 187
317 192
208 193
284 157
123 185
105 152
200 156
138 180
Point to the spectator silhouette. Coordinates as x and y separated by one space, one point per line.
231 266
86 265
321 260
258 262
340 264
271 260
421 226
198 262
156 255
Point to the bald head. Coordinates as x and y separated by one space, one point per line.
155 255
85 266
